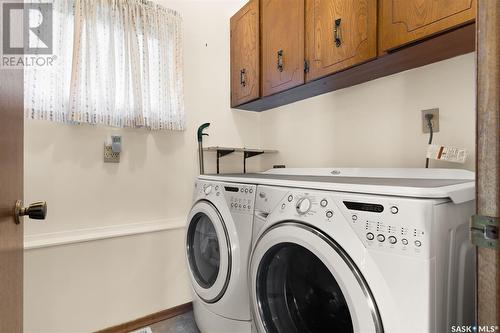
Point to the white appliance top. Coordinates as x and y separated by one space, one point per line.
458 185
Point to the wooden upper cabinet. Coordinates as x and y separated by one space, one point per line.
339 34
287 50
282 45
245 65
403 21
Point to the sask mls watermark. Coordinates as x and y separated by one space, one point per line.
26 34
474 329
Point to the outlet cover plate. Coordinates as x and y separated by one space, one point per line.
110 156
435 120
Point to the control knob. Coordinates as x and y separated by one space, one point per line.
303 205
208 189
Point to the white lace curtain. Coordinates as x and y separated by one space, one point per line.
119 63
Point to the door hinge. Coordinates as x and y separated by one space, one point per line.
484 231
306 66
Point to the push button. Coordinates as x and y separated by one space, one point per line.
380 238
393 240
323 203
404 241
370 236
418 243
394 209
329 214
290 198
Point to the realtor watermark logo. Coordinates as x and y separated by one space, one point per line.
26 34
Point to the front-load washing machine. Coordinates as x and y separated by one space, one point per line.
218 241
354 250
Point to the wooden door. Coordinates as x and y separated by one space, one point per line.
11 189
488 156
282 45
245 54
402 21
339 34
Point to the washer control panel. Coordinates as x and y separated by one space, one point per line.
397 225
401 227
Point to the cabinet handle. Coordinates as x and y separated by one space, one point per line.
336 33
280 60
243 77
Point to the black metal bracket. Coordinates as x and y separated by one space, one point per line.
222 153
248 154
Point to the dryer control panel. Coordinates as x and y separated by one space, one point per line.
240 198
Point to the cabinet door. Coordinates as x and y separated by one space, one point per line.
403 21
339 34
245 68
282 45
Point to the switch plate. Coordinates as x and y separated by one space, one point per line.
110 156
116 143
435 120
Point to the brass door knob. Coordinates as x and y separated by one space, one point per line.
36 210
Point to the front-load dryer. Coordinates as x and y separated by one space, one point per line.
218 241
361 250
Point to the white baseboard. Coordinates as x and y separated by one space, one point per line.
92 234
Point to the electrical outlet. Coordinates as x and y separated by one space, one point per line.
434 120
110 156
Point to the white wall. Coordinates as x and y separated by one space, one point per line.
86 286
378 123
82 287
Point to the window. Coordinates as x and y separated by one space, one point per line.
117 63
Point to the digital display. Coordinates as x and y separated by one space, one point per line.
231 189
363 206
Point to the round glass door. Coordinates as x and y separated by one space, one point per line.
204 251
302 281
297 293
208 255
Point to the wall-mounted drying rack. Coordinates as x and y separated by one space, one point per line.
247 153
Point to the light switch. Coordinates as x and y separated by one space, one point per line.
116 143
